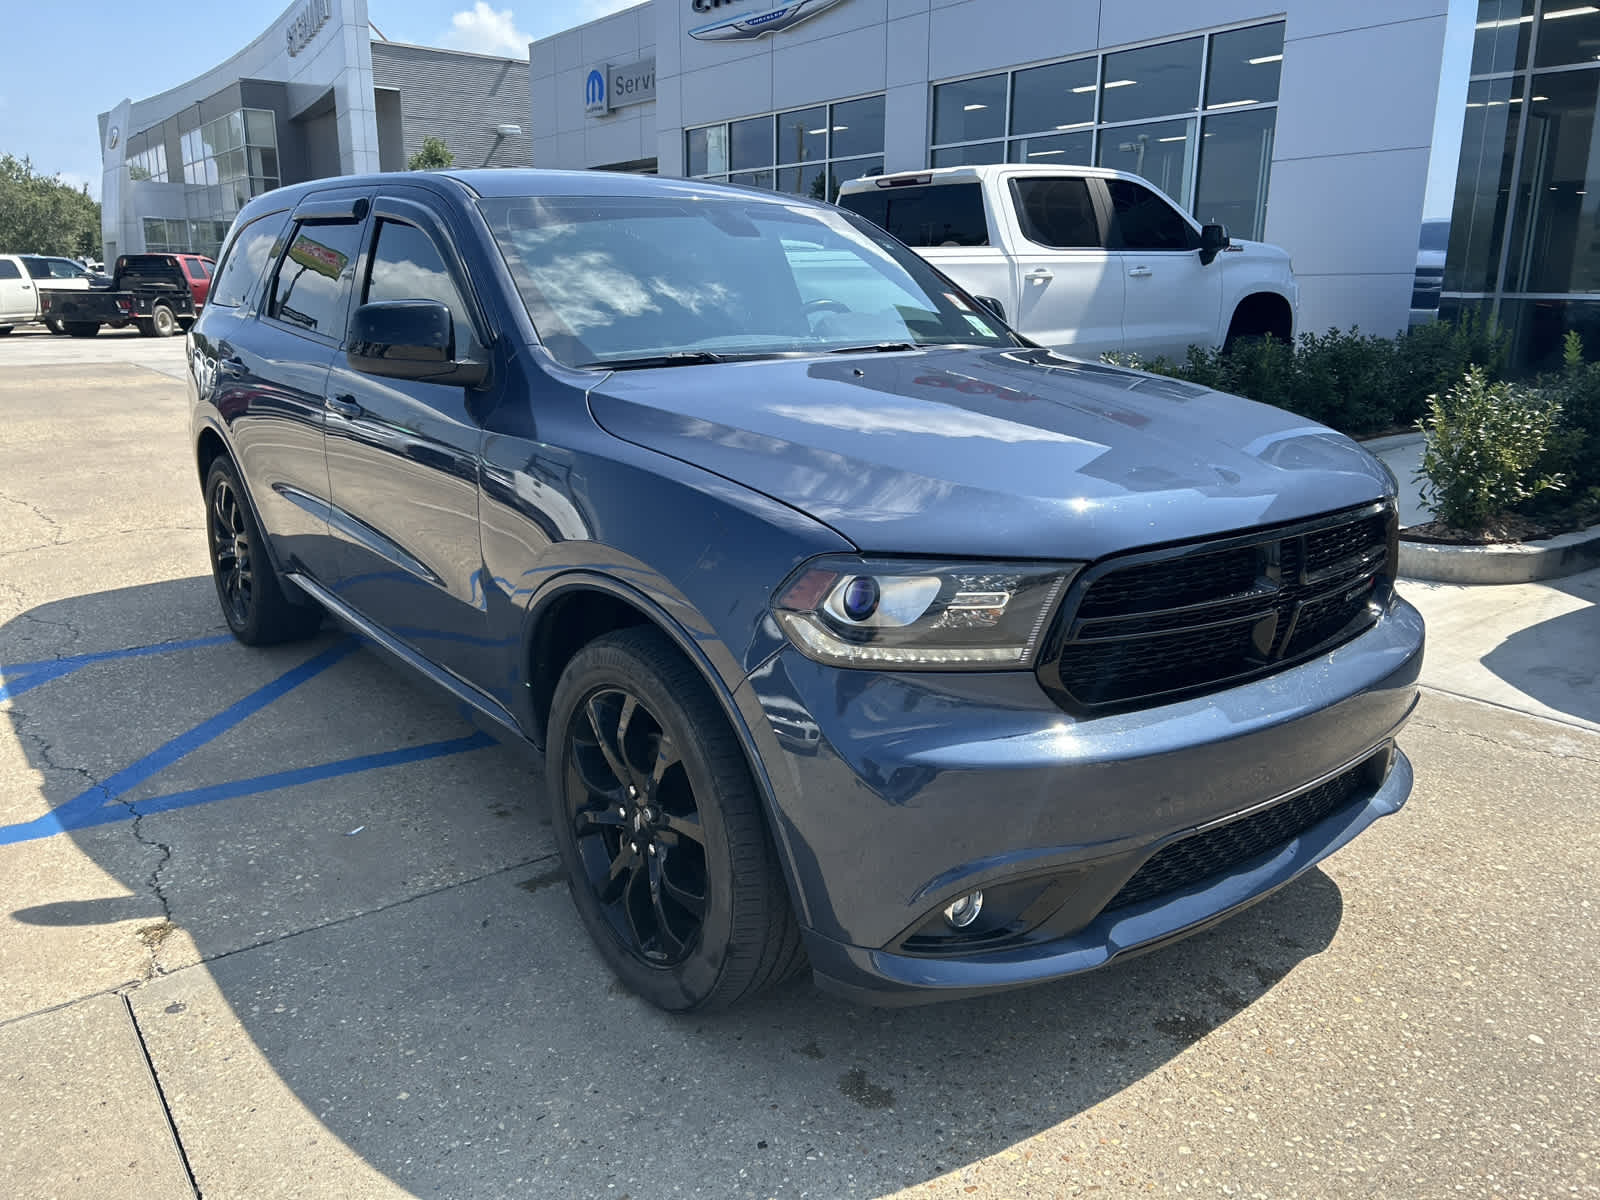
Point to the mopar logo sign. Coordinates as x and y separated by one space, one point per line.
744 27
594 92
619 85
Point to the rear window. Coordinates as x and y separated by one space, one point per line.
37 267
949 214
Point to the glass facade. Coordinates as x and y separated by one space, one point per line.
1525 229
149 164
225 162
805 151
1195 116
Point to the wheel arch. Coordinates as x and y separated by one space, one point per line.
1262 312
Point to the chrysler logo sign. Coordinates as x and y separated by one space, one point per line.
747 26
307 22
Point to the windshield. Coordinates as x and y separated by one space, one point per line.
612 278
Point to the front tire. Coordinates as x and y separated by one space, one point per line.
661 831
253 599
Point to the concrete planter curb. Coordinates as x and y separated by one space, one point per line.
1520 562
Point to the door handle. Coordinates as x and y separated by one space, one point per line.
27 287
230 366
1041 274
1140 273
345 406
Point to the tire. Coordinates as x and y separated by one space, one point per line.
145 326
6 329
81 328
55 327
253 598
641 756
163 321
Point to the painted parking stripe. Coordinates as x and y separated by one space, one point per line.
17 678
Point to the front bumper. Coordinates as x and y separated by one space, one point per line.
896 793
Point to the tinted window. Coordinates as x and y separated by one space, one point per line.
1151 82
65 268
1145 221
37 267
313 279
246 260
948 215
8 269
407 266
1057 212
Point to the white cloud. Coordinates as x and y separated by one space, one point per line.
486 31
77 180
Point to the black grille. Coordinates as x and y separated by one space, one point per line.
1191 619
1219 850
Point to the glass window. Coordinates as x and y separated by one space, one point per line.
948 214
708 150
406 265
1483 186
1163 153
803 135
1500 42
1142 220
248 257
970 156
811 181
760 179
1569 32
231 165
728 275
234 135
1245 65
1151 82
857 128
8 269
1235 168
969 109
1056 149
854 168
37 267
263 162
1057 212
259 127
1555 246
1053 97
65 268
1538 327
313 280
750 144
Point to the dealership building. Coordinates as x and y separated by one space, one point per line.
314 95
1326 126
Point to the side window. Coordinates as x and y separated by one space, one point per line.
1057 212
192 265
62 269
8 269
313 278
406 265
949 214
1144 221
206 266
37 267
253 248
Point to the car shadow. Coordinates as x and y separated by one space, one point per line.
397 946
1557 662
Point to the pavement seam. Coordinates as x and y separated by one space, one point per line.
1521 712
161 1095
55 526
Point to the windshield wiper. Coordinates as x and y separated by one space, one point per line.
676 358
875 348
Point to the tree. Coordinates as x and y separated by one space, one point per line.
434 156
41 214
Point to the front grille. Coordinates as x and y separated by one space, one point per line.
1219 850
1184 620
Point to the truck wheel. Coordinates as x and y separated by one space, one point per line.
255 602
54 326
81 328
164 321
5 329
661 831
145 326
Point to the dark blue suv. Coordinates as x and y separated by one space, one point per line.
858 632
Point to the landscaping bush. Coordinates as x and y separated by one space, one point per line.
1575 449
1486 451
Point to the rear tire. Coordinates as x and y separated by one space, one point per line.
253 597
145 326
6 329
661 831
54 326
163 321
81 328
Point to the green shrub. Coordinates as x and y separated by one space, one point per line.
1486 449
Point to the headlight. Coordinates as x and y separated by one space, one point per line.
905 615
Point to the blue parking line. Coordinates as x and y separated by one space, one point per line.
74 661
87 807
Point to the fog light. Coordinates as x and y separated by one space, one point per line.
964 911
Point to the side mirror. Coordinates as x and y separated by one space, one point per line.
410 339
1213 241
993 305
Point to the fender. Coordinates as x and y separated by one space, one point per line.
685 641
201 424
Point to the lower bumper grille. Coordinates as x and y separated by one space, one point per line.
1219 850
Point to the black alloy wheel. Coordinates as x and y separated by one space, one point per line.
637 827
253 598
661 829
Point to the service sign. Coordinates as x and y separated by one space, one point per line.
617 85
306 24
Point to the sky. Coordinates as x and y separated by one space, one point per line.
84 56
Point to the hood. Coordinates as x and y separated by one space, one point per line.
995 454
1264 251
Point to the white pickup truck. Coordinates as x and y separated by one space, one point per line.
1085 260
23 276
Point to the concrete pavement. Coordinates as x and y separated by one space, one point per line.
365 978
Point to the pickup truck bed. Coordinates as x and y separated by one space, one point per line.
148 290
